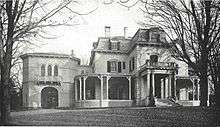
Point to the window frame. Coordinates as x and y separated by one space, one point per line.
49 70
43 70
115 67
56 70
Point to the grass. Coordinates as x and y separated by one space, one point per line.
153 117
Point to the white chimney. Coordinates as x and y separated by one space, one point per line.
107 31
125 32
72 53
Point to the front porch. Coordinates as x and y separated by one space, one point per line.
103 90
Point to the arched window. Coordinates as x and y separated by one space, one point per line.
49 70
42 70
55 70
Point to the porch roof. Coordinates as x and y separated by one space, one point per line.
104 74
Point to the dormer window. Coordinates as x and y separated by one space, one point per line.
114 45
155 37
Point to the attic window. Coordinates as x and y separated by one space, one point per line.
155 37
114 45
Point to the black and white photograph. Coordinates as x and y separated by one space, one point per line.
129 63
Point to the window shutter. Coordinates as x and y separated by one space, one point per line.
109 45
118 45
129 65
119 67
108 66
124 66
132 63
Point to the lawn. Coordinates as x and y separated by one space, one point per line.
135 116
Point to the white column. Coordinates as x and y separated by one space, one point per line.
169 85
153 84
193 92
129 90
101 97
162 88
148 84
76 85
174 81
208 94
166 87
80 88
198 89
143 88
107 78
84 88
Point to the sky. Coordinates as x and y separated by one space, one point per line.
80 37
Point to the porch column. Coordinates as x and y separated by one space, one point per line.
166 87
153 84
107 78
169 85
148 84
174 85
193 83
80 88
137 89
208 94
84 87
76 85
129 89
162 88
101 97
198 89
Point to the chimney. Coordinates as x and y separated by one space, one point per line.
107 31
125 32
72 53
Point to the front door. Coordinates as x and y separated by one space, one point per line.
49 97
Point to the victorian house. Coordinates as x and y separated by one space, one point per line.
123 71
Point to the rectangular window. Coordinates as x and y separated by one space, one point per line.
119 67
109 45
124 65
113 66
114 46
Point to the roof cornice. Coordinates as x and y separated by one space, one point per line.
48 55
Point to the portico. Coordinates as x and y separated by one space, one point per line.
156 79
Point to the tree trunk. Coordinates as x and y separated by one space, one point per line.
203 90
203 78
217 95
5 97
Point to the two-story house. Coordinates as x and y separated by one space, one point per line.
123 71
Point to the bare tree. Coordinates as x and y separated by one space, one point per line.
20 22
193 30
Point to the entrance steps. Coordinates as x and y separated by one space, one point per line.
165 102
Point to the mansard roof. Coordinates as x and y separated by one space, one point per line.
49 55
141 37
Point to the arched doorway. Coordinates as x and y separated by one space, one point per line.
49 97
